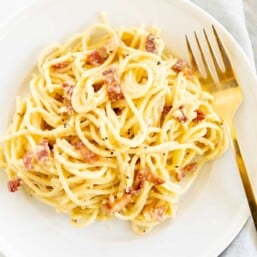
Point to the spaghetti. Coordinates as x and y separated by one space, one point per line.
114 126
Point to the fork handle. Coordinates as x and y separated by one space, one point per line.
249 191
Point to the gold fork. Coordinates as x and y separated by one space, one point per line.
227 98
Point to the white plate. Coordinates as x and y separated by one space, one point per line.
210 214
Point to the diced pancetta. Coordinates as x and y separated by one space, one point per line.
135 189
142 176
146 175
60 65
87 155
119 204
43 152
151 43
157 213
97 57
113 86
28 161
68 91
14 185
166 109
199 116
179 66
182 66
191 167
180 115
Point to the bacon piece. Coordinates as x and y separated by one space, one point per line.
136 189
14 185
119 204
191 167
28 161
142 176
60 65
146 174
151 43
114 92
68 91
157 213
109 75
113 86
43 151
97 57
165 111
59 97
87 155
181 65
181 117
199 116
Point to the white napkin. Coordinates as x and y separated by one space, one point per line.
231 14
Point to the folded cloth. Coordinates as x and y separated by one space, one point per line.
231 15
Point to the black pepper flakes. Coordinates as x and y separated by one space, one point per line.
176 166
158 63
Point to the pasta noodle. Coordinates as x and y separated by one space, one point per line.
114 126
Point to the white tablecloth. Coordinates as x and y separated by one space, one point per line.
230 14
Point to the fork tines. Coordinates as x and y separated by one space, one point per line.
207 55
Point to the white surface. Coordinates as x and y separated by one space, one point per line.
208 218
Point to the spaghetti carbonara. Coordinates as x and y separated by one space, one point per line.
114 126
